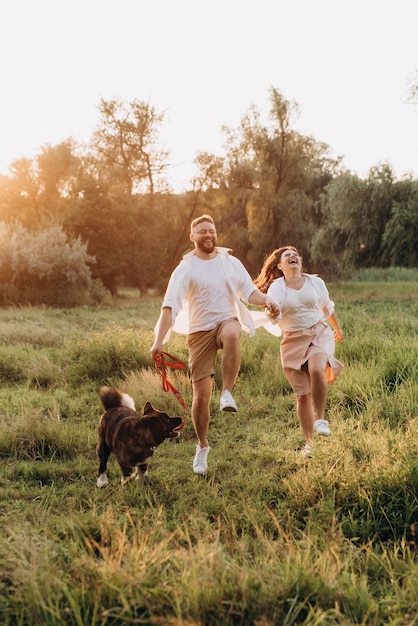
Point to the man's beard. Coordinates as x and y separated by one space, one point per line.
206 247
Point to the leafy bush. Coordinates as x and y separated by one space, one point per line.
43 267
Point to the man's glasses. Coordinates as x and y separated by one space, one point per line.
210 231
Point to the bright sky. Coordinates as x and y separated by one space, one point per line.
203 63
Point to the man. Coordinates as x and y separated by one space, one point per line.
213 283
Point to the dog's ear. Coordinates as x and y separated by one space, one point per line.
148 408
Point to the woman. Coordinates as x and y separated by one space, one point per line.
308 344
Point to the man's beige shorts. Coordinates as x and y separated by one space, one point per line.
203 348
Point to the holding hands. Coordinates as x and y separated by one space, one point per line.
272 309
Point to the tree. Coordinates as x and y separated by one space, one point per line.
20 193
400 237
38 189
125 146
413 89
354 217
131 237
57 174
272 177
103 222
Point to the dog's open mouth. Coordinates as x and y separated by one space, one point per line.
175 432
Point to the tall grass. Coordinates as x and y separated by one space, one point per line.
266 537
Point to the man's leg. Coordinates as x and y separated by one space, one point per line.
231 353
202 390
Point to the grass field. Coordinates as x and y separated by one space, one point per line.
266 537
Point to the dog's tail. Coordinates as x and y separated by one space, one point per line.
112 398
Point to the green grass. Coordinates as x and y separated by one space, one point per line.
266 537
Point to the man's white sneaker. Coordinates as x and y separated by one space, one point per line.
308 451
200 463
321 427
227 402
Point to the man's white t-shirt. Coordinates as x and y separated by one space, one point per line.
210 300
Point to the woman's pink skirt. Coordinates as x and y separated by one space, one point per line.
298 346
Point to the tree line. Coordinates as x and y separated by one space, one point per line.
79 220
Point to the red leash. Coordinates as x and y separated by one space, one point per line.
161 363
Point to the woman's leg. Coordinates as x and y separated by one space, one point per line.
306 416
317 364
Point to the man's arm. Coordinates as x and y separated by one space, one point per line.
163 326
262 299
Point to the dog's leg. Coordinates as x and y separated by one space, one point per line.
127 473
102 480
103 452
141 472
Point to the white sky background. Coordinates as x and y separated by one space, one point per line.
203 63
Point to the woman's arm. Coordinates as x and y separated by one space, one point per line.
338 333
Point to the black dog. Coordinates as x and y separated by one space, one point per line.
132 438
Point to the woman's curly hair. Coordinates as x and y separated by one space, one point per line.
269 270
